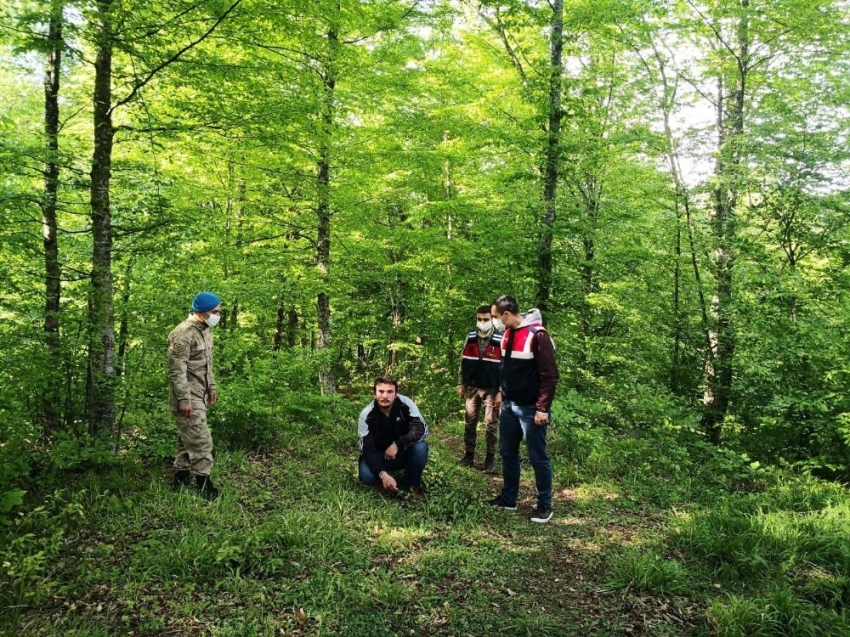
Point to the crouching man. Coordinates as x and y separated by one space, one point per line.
392 437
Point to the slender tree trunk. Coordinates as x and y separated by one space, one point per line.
52 398
683 205
730 115
101 307
323 210
675 358
292 329
396 295
101 368
552 156
238 217
448 193
588 267
124 324
278 327
683 215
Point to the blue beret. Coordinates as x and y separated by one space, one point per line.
205 301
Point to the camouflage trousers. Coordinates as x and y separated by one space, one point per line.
474 398
194 442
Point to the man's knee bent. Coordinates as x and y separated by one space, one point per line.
419 452
366 476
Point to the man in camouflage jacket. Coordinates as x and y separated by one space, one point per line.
191 390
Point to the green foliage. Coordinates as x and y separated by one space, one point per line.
8 501
781 613
71 451
33 545
13 469
647 572
452 496
270 398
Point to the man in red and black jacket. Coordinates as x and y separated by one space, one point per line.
529 376
479 384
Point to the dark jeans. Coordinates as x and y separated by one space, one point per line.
517 422
413 460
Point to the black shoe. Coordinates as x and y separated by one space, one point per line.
490 463
182 479
499 502
467 459
206 487
416 494
541 514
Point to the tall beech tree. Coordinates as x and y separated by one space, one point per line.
107 15
101 303
734 40
552 154
328 75
52 267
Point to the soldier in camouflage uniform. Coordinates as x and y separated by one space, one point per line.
191 390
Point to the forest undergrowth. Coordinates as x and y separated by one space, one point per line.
655 533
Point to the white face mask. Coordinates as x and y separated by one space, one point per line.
213 320
497 323
484 326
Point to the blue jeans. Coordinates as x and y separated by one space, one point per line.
516 422
413 460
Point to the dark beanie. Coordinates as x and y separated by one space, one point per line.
205 301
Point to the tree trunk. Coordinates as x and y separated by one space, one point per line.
675 358
448 194
552 157
589 284
682 208
730 119
323 211
396 295
278 327
124 323
101 307
51 398
292 329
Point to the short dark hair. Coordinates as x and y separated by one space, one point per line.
484 309
385 380
506 303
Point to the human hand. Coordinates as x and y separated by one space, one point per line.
541 418
388 482
185 410
391 452
213 397
461 390
497 400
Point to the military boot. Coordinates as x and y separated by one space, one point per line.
206 487
182 479
466 461
490 463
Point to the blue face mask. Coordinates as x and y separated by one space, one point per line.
484 326
213 320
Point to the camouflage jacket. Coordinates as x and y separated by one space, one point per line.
190 356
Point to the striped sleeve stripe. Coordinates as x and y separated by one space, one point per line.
414 412
362 425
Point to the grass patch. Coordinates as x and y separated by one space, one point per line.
650 536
